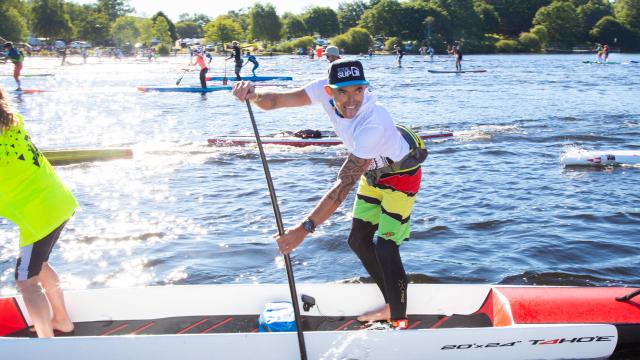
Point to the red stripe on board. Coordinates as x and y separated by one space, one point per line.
439 322
216 325
414 324
344 325
115 330
11 319
143 328
192 326
567 305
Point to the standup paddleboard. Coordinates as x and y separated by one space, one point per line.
250 78
71 156
601 63
600 157
446 322
29 91
288 140
28 75
182 89
456 72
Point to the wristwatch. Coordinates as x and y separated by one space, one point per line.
308 225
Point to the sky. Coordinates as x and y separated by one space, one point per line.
213 8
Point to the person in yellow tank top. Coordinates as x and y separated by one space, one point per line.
34 198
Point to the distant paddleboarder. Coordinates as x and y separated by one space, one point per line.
236 55
34 198
599 52
199 60
252 59
332 53
605 53
430 52
399 53
457 53
17 58
385 160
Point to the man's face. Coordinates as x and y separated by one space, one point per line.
348 99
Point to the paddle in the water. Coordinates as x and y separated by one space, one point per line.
181 76
224 80
276 213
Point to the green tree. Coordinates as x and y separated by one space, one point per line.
114 9
161 32
349 14
613 32
542 34
125 31
222 29
465 20
489 17
529 42
170 24
188 30
516 15
49 19
354 41
382 18
507 46
322 20
196 18
563 26
293 26
145 29
241 18
590 13
628 12
12 27
264 22
88 23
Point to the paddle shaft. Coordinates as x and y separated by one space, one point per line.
276 213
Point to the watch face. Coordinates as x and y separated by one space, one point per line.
308 225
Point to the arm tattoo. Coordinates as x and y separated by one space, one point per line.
349 174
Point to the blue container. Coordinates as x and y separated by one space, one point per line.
277 317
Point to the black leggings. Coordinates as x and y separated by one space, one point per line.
382 261
203 77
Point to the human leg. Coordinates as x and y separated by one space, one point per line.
237 71
37 305
51 282
32 270
203 77
17 68
255 66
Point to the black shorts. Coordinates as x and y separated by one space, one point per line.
32 256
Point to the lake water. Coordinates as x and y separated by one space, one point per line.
496 205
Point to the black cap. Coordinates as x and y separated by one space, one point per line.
346 73
8 43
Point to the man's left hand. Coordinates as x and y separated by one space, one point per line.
291 238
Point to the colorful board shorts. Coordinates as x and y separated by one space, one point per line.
388 203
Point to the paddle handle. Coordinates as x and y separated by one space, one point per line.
278 216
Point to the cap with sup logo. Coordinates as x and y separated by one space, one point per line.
346 73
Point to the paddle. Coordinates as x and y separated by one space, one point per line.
276 213
181 76
224 80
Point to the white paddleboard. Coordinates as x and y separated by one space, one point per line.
600 157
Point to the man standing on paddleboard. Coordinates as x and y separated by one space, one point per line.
17 58
383 157
33 197
236 55
252 59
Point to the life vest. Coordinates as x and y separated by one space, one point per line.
417 155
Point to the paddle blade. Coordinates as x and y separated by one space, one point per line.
224 81
178 81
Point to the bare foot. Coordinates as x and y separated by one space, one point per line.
377 315
63 326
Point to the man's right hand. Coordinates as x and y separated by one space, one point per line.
244 90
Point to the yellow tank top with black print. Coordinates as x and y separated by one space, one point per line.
31 194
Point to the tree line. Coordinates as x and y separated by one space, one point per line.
477 25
